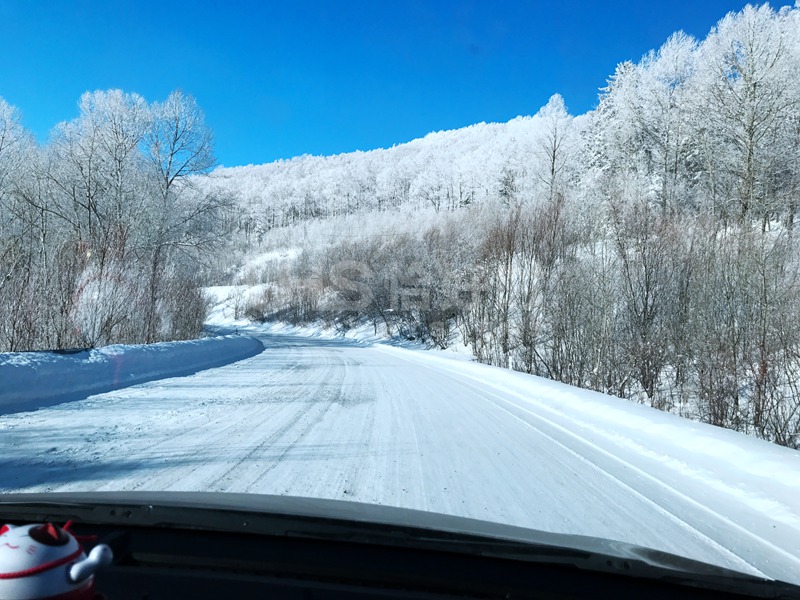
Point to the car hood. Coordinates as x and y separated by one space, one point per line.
351 521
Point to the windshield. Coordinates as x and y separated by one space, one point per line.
410 256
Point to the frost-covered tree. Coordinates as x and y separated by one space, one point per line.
84 216
21 236
554 147
748 73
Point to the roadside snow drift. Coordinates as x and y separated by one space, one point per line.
30 380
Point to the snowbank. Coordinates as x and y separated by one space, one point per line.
30 380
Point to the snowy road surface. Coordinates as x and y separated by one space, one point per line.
379 424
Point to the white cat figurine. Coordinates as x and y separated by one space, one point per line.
46 561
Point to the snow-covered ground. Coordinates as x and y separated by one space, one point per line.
29 380
254 268
316 415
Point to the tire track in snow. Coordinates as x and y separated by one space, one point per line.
203 431
332 377
494 398
739 560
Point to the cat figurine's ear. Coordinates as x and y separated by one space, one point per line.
6 527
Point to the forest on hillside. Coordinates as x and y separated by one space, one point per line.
647 249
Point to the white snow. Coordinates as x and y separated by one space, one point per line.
325 416
228 301
260 261
29 380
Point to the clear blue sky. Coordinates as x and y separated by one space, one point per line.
287 77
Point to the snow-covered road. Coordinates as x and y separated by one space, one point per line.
379 424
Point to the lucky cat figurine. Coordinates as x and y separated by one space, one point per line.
46 561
